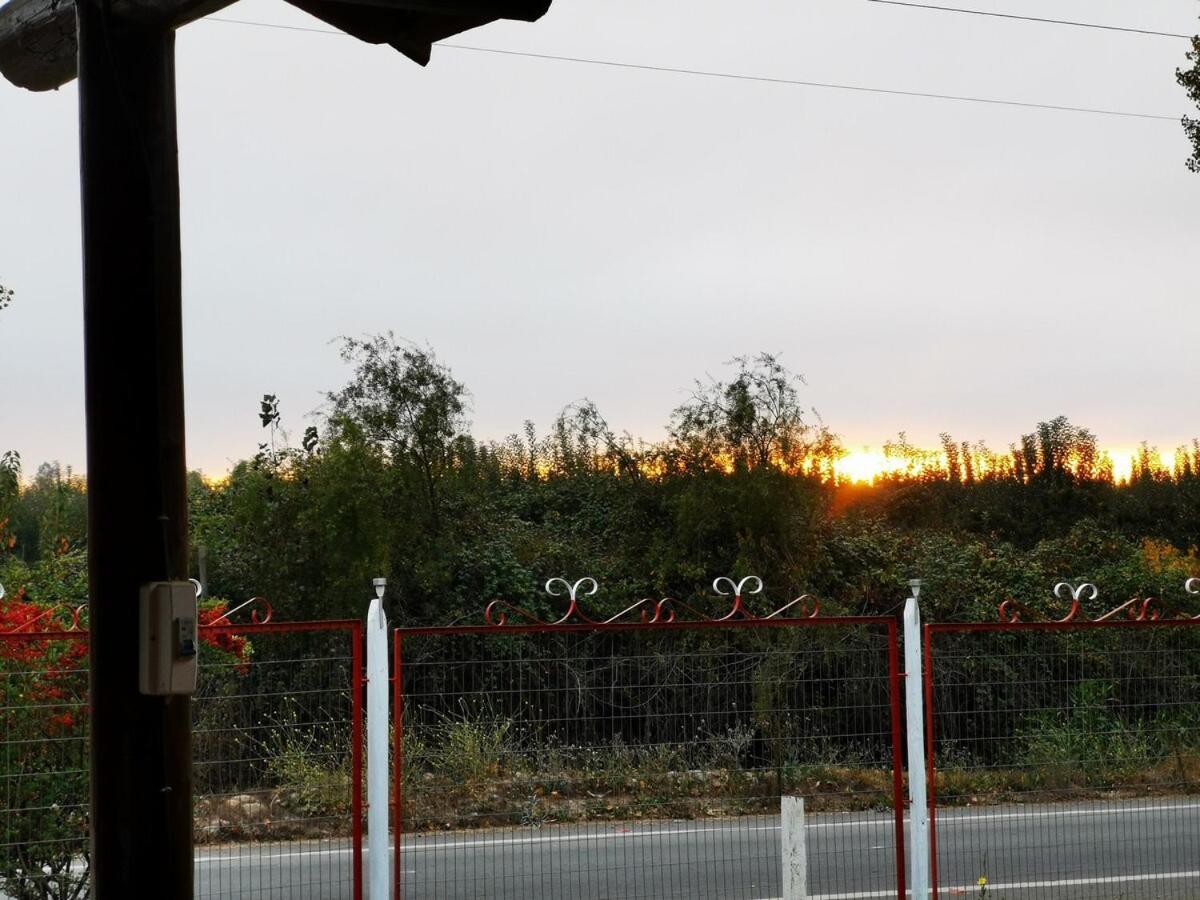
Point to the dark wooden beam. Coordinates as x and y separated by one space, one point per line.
37 43
523 10
141 822
38 48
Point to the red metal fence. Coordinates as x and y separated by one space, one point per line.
278 767
1064 756
645 754
277 750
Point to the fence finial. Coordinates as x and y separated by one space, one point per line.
736 589
572 589
380 586
915 584
1076 592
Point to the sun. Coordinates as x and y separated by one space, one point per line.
864 465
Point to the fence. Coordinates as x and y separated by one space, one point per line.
645 755
277 761
1064 756
43 765
278 769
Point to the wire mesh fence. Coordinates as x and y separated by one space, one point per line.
629 761
43 766
277 766
277 771
1067 759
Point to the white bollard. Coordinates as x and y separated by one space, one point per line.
914 703
379 882
795 848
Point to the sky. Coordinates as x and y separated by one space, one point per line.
559 230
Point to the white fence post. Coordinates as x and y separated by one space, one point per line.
795 848
379 882
914 704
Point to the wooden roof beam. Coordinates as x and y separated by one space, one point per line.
38 48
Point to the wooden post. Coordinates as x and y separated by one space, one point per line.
141 808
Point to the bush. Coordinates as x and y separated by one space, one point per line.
43 692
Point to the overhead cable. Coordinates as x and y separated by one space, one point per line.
736 76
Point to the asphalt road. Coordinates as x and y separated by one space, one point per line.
1104 850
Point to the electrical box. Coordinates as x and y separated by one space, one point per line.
168 644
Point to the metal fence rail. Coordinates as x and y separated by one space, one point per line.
604 759
1064 757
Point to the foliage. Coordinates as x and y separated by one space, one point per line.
1189 79
754 421
310 764
390 481
1089 737
43 686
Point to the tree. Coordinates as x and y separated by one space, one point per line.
751 422
10 495
6 295
1189 79
408 406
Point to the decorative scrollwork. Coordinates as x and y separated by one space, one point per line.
806 611
809 606
499 613
1153 610
53 614
738 610
1014 611
1077 593
572 591
737 589
255 604
1136 609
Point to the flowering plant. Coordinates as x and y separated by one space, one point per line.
44 852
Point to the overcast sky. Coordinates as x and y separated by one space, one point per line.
557 230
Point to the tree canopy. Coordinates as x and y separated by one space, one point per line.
388 479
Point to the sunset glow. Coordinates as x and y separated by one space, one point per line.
865 465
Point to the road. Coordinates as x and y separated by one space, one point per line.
1102 850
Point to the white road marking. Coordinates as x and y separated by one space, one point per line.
948 818
573 838
944 819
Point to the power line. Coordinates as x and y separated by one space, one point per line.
1000 15
734 76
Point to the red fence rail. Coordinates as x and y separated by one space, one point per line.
596 756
